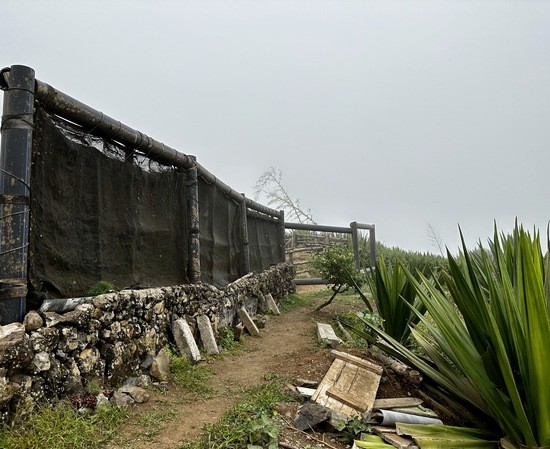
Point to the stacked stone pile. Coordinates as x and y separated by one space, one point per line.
57 355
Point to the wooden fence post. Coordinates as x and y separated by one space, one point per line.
372 241
194 226
244 236
355 243
282 253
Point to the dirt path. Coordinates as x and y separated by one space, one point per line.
287 346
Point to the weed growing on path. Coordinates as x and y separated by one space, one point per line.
251 421
193 378
298 300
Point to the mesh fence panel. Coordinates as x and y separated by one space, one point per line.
102 212
96 217
263 237
220 236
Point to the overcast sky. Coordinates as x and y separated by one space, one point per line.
397 113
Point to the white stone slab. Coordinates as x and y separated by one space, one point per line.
207 335
248 322
326 334
185 341
272 304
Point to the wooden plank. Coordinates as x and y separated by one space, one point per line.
377 369
378 430
344 383
347 388
396 402
366 386
330 377
399 441
347 399
389 434
306 392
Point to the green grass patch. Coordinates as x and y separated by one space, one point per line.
194 378
62 427
300 300
250 422
152 423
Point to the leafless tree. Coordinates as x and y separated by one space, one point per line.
270 186
435 238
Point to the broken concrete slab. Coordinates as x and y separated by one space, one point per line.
248 322
326 335
185 341
207 335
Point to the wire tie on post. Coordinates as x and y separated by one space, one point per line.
14 249
118 131
17 178
3 217
22 89
149 146
7 118
96 125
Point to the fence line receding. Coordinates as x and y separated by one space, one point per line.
85 198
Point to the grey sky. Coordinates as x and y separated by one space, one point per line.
396 113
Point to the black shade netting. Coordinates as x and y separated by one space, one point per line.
220 236
94 218
263 237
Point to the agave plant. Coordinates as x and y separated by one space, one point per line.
487 342
395 299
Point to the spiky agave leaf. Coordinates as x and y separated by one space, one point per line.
448 437
394 295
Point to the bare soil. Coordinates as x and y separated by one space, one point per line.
287 346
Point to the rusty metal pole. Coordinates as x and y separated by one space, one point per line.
15 172
244 236
194 226
282 253
355 243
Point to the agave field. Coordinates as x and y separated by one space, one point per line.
480 332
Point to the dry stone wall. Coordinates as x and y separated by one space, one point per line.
55 355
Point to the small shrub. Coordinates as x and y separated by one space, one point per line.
337 265
226 339
101 288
